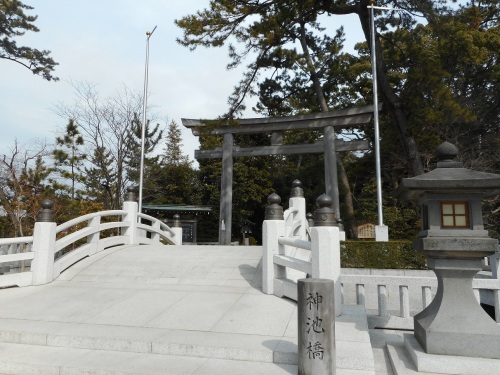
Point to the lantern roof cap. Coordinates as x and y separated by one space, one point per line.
449 177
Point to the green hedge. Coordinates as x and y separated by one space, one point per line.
388 255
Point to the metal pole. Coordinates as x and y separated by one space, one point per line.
144 109
375 119
331 174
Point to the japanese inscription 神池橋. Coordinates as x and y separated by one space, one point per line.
316 317
314 350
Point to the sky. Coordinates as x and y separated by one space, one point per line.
103 42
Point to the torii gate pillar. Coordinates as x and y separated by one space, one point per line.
226 191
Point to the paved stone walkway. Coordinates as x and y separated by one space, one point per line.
177 310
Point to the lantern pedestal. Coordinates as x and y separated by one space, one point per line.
454 323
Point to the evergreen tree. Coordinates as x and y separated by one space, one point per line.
278 23
173 180
152 138
173 153
14 22
100 178
445 74
69 159
438 79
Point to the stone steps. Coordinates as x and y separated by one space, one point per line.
22 341
230 346
20 359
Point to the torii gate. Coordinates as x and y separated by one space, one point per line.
276 125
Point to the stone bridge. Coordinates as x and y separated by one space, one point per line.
176 310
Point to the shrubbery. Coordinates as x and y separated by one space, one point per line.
388 255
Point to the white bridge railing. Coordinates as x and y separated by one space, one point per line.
293 250
16 255
53 248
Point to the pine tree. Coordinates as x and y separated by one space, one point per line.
14 23
173 179
100 178
69 159
152 138
277 23
173 153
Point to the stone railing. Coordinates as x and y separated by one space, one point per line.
289 255
392 297
15 258
53 248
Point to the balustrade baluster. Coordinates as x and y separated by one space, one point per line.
486 264
382 300
496 298
154 234
404 301
426 296
476 294
360 294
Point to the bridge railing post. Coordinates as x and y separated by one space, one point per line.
93 239
272 228
44 244
131 206
325 247
297 202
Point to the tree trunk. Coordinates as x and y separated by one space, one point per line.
10 210
343 180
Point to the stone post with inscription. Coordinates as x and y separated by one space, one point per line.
316 327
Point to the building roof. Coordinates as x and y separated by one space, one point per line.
178 208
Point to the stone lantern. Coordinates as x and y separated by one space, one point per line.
246 230
454 242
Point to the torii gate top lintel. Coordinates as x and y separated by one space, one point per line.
343 117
